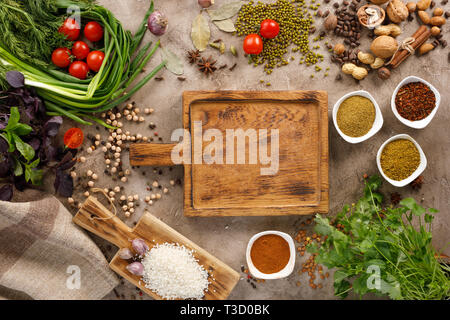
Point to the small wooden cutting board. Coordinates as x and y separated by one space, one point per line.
93 216
300 184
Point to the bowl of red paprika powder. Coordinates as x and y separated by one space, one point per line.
415 102
271 255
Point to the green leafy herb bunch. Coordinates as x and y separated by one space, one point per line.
385 251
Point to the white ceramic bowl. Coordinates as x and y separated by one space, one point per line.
420 124
377 124
282 273
419 170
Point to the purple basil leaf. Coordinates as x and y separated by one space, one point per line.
4 118
4 146
5 166
67 165
20 183
48 153
6 192
52 126
35 143
67 158
15 79
63 184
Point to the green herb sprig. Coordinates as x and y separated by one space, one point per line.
395 241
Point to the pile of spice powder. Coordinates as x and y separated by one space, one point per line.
415 101
296 22
399 159
270 253
355 116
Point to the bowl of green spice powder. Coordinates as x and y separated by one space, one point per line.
357 116
400 160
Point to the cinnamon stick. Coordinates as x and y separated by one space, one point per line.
421 35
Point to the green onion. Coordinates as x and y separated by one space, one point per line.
114 82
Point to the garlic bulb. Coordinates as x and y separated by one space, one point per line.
139 246
125 254
136 268
205 3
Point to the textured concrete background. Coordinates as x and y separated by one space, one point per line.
227 238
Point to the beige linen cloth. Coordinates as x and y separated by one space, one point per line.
41 250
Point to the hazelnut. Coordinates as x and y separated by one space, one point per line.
339 49
438 12
412 6
435 31
330 22
384 73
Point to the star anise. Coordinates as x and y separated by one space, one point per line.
395 198
193 56
417 183
207 65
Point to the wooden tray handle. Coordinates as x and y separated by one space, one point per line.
93 216
151 154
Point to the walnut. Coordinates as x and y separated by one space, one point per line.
397 11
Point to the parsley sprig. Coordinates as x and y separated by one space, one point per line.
385 251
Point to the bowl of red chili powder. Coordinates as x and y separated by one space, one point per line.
415 102
271 255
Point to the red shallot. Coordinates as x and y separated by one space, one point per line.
157 23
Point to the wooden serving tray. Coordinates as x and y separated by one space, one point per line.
93 216
301 184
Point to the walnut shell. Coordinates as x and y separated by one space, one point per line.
384 46
397 11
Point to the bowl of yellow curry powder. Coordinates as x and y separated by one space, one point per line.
400 160
357 116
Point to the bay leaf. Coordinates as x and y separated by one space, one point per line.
200 33
173 63
226 25
226 11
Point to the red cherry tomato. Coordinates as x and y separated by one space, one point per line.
71 29
61 57
79 69
93 31
95 60
80 50
269 29
73 138
253 44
